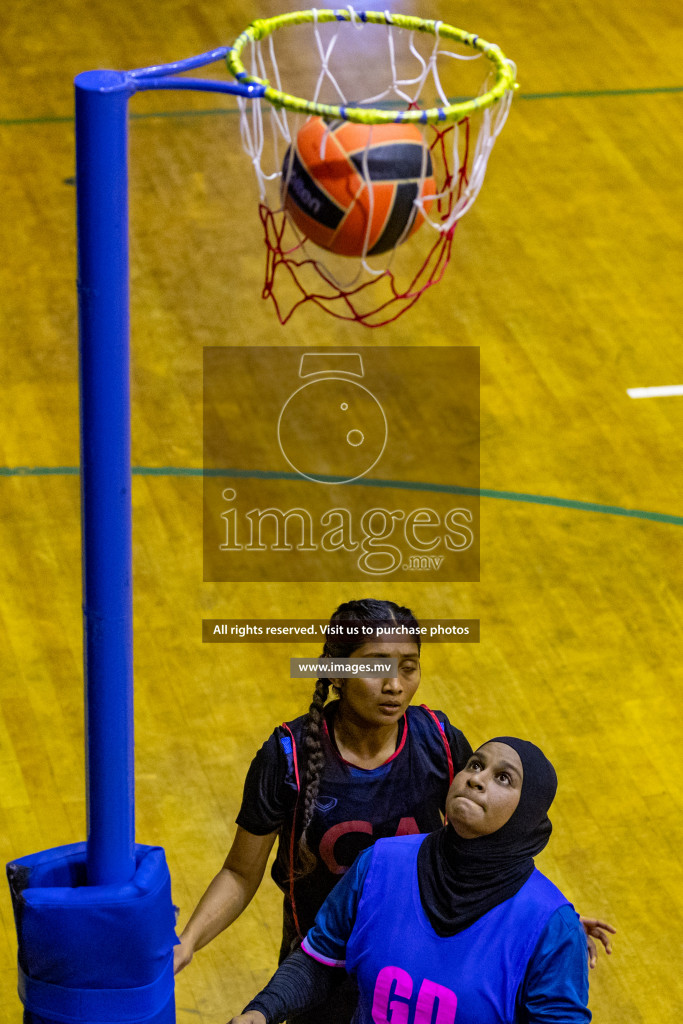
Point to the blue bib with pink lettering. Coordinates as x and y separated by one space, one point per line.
407 974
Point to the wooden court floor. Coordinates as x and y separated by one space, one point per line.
566 274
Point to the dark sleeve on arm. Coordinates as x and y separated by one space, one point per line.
300 983
327 939
460 748
264 802
309 976
555 989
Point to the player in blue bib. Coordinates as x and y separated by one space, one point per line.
456 927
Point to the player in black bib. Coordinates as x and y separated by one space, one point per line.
332 782
353 807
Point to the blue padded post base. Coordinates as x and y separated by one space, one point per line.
93 954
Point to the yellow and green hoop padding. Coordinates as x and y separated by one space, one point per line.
261 28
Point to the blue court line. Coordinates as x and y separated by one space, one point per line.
405 485
652 90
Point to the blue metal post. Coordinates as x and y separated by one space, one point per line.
102 215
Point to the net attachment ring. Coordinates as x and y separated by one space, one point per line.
452 112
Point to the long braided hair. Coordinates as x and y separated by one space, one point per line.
368 613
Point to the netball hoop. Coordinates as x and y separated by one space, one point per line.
404 66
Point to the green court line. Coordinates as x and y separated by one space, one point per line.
39 471
405 485
653 90
60 119
598 93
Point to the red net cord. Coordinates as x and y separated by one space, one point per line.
293 277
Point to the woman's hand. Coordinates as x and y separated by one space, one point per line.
595 929
252 1017
182 954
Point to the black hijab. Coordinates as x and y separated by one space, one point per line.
462 879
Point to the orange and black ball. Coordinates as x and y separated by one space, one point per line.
351 188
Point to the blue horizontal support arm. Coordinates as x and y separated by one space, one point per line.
201 85
176 67
162 76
